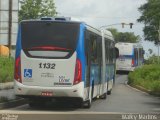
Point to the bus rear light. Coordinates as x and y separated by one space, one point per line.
78 72
17 72
49 48
132 63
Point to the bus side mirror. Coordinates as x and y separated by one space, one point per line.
116 52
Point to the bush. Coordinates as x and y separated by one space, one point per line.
147 76
6 69
152 60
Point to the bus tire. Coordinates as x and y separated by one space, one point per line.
87 104
109 92
104 96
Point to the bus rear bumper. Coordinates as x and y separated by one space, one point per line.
76 91
125 69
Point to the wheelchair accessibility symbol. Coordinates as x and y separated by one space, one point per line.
28 73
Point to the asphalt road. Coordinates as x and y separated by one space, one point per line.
123 100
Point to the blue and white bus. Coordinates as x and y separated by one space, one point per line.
131 56
57 58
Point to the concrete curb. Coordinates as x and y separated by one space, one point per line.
13 103
143 89
8 85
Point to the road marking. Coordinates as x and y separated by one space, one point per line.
45 112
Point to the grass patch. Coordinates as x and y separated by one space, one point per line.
148 76
6 69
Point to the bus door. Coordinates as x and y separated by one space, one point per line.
99 53
93 74
92 63
135 57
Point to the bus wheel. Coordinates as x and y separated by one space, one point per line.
104 96
87 104
109 92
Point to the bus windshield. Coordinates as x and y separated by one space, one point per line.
49 35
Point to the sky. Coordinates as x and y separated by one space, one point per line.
99 13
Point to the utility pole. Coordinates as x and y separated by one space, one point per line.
0 23
158 40
123 24
10 27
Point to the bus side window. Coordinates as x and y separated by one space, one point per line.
136 55
99 50
107 50
87 46
112 52
93 46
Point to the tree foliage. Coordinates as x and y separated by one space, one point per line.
33 9
124 37
151 18
152 60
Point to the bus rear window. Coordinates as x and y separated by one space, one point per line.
49 36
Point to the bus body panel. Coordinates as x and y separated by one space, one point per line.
81 50
129 56
126 54
38 76
27 91
35 72
124 63
103 87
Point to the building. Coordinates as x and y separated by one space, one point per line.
8 21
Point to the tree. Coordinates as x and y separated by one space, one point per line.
151 18
33 9
150 51
124 37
